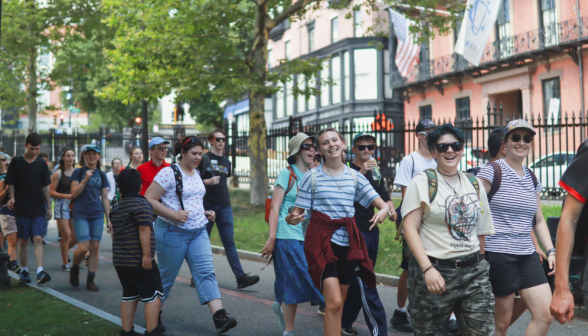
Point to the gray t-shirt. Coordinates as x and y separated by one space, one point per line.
410 166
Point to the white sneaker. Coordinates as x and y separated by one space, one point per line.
65 268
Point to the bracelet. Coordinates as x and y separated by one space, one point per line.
389 212
550 251
428 268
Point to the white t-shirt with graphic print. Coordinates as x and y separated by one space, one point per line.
192 196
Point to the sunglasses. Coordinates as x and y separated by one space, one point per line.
191 139
221 139
443 147
363 147
317 158
526 138
308 146
2 160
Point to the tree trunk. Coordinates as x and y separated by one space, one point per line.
257 127
32 82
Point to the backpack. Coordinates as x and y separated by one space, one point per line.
433 187
292 179
179 183
204 165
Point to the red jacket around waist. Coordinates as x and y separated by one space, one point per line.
317 247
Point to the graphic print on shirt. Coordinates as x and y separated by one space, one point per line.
461 216
216 168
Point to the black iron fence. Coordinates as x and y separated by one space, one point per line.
555 144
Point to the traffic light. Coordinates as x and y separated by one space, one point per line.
62 119
138 121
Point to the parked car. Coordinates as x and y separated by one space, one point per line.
474 157
551 167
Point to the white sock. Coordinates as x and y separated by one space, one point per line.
24 269
401 309
39 269
452 317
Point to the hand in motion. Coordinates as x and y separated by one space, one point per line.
294 219
551 261
10 204
378 218
435 282
210 215
268 249
49 214
368 165
89 174
562 305
146 262
181 216
394 215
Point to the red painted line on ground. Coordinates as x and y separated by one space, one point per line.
247 296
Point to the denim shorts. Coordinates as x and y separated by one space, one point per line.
61 208
88 228
30 227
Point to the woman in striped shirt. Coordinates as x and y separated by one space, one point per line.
334 247
514 194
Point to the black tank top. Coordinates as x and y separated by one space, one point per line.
64 185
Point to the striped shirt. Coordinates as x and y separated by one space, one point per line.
133 211
513 207
334 202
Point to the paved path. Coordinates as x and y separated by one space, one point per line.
184 316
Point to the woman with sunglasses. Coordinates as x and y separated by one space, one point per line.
60 191
445 219
285 243
334 247
514 194
180 229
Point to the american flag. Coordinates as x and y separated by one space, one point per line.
407 50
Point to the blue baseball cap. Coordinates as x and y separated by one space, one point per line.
92 148
157 141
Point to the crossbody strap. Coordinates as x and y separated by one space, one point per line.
496 180
179 183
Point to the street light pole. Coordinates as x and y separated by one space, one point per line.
144 132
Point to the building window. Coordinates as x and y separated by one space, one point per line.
310 28
357 28
325 84
503 30
366 73
270 58
346 74
336 76
288 50
334 30
463 109
289 87
312 99
301 99
280 101
424 64
551 90
426 112
387 88
548 23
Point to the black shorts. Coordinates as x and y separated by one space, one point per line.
343 269
139 283
511 272
405 256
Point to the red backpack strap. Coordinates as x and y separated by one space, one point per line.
496 181
291 180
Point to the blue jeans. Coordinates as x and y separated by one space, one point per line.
224 223
173 246
88 228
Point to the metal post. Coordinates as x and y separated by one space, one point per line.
145 132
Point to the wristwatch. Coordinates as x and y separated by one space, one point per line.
550 250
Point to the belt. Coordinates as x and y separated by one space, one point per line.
461 262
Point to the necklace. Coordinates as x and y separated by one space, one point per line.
448 175
454 191
338 184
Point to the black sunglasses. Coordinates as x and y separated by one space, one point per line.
2 160
363 147
526 138
220 139
308 146
443 147
317 158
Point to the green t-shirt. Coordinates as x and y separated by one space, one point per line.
285 230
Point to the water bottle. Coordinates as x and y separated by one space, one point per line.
376 172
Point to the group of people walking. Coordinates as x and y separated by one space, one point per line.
473 242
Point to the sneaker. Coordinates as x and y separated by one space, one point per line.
277 307
15 268
247 280
321 310
65 268
153 332
74 276
289 333
400 322
160 327
452 328
43 277
129 333
223 322
24 277
349 331
192 284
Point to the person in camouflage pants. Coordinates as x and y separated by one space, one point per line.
468 293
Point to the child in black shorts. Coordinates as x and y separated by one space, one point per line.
133 249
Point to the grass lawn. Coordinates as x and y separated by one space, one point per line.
251 231
28 311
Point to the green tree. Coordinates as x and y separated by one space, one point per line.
216 47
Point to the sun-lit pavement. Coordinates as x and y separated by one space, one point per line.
183 315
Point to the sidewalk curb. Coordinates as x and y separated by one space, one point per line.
84 306
382 279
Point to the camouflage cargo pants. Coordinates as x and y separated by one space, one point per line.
469 295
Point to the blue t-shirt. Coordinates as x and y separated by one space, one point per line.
88 204
285 230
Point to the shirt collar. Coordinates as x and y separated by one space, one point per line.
154 165
131 195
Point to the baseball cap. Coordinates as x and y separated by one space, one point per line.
425 124
362 134
92 148
157 141
518 124
295 142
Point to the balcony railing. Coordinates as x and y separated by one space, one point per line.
542 41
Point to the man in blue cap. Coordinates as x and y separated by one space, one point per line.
157 151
